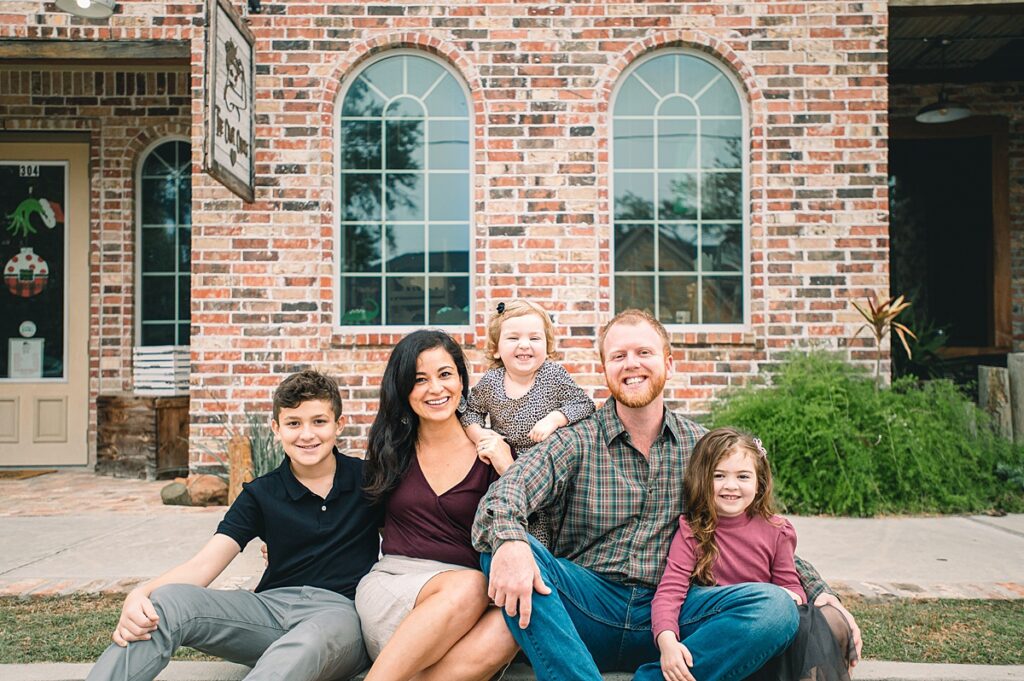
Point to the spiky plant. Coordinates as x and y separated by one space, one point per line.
879 319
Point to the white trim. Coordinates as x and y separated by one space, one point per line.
745 170
137 265
339 208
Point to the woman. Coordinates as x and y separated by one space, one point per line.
424 606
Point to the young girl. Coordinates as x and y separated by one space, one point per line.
525 394
731 535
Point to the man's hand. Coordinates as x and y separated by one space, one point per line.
138 619
266 556
513 579
829 599
493 450
676 659
542 429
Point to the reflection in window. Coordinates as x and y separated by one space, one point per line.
165 245
404 229
678 192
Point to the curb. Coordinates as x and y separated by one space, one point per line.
868 670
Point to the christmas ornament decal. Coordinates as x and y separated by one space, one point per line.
26 274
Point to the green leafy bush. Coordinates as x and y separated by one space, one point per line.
838 446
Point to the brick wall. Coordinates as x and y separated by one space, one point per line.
988 99
541 77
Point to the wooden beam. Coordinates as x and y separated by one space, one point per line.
109 51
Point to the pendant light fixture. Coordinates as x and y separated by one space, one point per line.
942 110
91 9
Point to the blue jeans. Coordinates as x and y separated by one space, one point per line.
589 624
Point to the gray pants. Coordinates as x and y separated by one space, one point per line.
287 634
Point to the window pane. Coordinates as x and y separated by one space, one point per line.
184 334
362 197
404 196
723 300
722 248
449 145
660 74
634 144
405 300
447 99
158 249
184 299
449 196
449 248
677 196
720 99
720 197
677 247
360 300
157 297
449 300
720 144
422 74
386 76
634 196
185 198
694 75
632 291
677 143
677 300
634 248
360 145
362 100
159 162
677 106
158 201
158 334
403 107
360 248
405 248
404 145
184 249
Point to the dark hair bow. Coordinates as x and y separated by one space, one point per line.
501 308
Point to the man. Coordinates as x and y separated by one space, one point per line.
615 480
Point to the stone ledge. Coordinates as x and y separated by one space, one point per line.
869 670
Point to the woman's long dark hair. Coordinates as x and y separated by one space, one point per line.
392 441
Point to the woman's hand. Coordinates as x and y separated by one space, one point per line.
493 449
676 659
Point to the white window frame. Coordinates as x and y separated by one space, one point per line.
137 293
746 272
339 208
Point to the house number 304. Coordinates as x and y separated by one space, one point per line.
28 170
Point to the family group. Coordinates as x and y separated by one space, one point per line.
508 520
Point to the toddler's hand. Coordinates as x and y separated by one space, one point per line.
676 659
542 429
794 595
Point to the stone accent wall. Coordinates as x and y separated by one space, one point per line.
988 99
540 76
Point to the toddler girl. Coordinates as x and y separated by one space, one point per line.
525 394
731 535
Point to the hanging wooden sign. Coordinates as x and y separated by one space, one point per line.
229 100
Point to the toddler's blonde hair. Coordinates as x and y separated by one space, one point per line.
511 310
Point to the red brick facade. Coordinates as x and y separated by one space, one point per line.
541 77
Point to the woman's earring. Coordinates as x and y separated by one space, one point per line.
404 420
463 405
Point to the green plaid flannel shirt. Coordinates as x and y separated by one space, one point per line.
614 511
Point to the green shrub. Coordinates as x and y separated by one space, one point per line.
838 446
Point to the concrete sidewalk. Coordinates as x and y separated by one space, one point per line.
75 532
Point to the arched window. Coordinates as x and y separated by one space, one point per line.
164 210
679 191
405 196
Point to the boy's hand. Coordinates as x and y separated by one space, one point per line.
138 619
676 659
542 429
794 595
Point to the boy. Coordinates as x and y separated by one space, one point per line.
300 624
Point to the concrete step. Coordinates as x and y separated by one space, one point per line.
868 670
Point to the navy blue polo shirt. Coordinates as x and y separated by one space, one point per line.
311 541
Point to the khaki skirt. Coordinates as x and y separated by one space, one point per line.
388 593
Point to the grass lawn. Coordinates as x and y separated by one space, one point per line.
77 629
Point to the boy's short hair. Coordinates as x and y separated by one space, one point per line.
511 310
305 386
635 316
